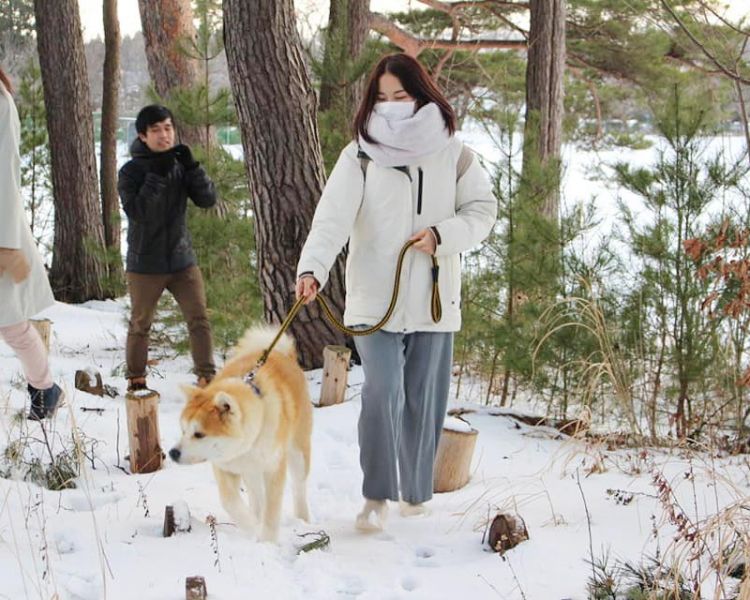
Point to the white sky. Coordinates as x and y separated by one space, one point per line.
91 12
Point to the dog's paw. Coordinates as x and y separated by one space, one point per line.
269 535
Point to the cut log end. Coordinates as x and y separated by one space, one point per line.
335 373
44 327
143 431
506 532
195 588
453 459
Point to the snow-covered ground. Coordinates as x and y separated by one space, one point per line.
104 538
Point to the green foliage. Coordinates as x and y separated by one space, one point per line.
677 194
225 248
17 31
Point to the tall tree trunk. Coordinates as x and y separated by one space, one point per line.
277 115
108 167
545 70
78 260
348 26
166 24
535 248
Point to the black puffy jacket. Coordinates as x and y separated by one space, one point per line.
156 206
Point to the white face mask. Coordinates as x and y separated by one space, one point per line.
395 111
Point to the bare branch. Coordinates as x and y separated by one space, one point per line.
453 6
413 45
732 74
723 19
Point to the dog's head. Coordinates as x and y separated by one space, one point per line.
218 423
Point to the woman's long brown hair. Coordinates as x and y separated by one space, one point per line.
417 83
5 80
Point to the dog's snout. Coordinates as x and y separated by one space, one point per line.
174 454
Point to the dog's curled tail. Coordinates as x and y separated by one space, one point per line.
259 337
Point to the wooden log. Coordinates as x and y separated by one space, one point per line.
44 327
168 521
335 373
506 532
195 588
84 383
176 518
453 459
143 431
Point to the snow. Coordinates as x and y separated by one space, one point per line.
104 538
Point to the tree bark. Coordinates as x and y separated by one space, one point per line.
78 254
166 24
348 26
535 245
108 166
276 107
545 70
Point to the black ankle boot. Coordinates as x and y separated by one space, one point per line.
44 402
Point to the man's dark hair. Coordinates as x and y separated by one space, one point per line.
151 115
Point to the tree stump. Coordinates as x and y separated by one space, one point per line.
335 373
176 518
44 327
83 382
506 532
195 588
453 459
143 431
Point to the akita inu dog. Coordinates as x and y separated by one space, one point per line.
252 438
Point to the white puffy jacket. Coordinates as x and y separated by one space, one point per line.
18 301
380 218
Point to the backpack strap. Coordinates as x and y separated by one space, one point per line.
464 161
364 160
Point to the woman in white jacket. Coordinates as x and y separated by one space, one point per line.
406 177
24 288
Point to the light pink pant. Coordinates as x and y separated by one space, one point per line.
28 346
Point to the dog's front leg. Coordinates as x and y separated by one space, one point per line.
274 481
256 496
231 500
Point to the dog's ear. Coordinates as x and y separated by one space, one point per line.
226 404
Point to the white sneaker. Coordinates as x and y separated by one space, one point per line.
379 510
413 510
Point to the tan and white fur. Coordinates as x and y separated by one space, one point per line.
252 439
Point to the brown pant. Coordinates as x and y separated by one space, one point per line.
187 288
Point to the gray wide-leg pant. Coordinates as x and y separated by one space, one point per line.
404 398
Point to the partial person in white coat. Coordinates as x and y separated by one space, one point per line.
405 177
24 287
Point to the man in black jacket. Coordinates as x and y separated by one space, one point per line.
154 187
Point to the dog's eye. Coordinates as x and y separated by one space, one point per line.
198 435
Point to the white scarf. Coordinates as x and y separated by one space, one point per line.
403 136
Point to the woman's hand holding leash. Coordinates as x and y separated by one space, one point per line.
307 288
426 241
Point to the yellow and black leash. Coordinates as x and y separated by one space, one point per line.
435 309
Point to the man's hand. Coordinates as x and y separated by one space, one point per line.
426 241
162 162
14 261
307 288
185 156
